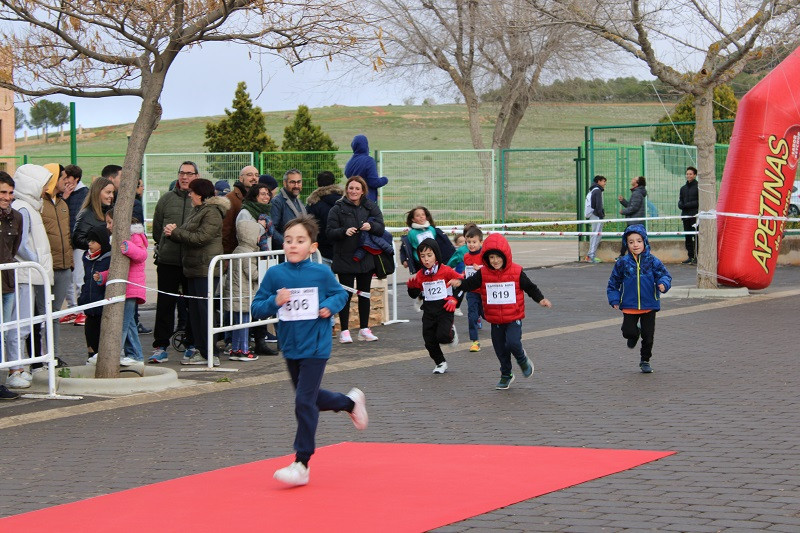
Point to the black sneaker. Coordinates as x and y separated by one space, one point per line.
687 262
526 366
6 394
645 367
142 329
505 382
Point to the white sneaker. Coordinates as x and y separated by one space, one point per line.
454 342
359 412
366 335
345 338
294 474
458 312
127 361
440 368
418 305
27 375
16 381
92 360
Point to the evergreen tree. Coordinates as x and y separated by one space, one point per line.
20 121
303 136
725 106
242 130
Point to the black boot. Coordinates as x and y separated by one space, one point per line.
262 348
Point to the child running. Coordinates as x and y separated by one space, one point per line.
421 226
502 283
470 256
635 287
304 295
96 259
438 304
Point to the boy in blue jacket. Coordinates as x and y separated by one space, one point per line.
635 287
304 295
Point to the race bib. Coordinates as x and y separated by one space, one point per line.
434 290
302 305
424 235
469 270
501 293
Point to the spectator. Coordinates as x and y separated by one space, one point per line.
201 238
114 174
319 204
635 207
55 217
248 177
222 188
10 238
689 204
270 182
255 208
593 210
30 181
174 207
93 212
362 164
352 214
286 205
74 202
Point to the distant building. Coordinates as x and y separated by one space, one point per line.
7 120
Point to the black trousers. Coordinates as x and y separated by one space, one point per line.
691 240
361 282
645 325
91 331
437 329
172 280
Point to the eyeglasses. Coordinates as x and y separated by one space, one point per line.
295 182
182 173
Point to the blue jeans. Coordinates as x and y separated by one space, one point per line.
133 348
474 312
309 400
10 340
507 341
241 337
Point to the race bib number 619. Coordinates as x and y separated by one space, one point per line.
501 293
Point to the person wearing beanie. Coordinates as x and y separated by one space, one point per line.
319 204
96 259
270 182
222 188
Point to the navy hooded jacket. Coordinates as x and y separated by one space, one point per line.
362 164
634 281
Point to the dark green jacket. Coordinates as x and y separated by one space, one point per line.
200 236
172 208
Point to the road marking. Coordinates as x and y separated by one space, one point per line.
344 366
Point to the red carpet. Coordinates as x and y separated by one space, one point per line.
354 487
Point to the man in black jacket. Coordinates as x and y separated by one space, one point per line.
688 203
319 204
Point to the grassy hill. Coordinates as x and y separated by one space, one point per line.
437 127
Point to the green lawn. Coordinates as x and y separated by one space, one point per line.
438 127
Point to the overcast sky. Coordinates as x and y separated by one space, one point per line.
202 81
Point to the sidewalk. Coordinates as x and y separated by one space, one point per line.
723 395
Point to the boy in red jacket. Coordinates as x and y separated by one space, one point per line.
431 282
502 285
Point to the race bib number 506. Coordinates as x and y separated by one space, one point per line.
302 305
501 293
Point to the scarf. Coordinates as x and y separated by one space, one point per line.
255 208
290 202
426 225
432 270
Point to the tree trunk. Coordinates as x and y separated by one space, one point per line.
112 323
705 136
474 114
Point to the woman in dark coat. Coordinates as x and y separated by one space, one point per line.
350 215
93 212
201 240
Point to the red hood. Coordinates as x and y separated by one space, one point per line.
496 242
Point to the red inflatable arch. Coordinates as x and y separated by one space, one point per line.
758 177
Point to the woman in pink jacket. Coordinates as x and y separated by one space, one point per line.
135 249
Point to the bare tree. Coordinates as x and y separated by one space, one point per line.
694 47
102 48
482 45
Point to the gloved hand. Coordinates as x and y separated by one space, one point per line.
450 304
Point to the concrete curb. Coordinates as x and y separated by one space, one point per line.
694 292
83 382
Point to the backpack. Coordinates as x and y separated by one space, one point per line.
384 265
587 205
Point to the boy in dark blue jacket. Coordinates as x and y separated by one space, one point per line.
304 295
635 287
